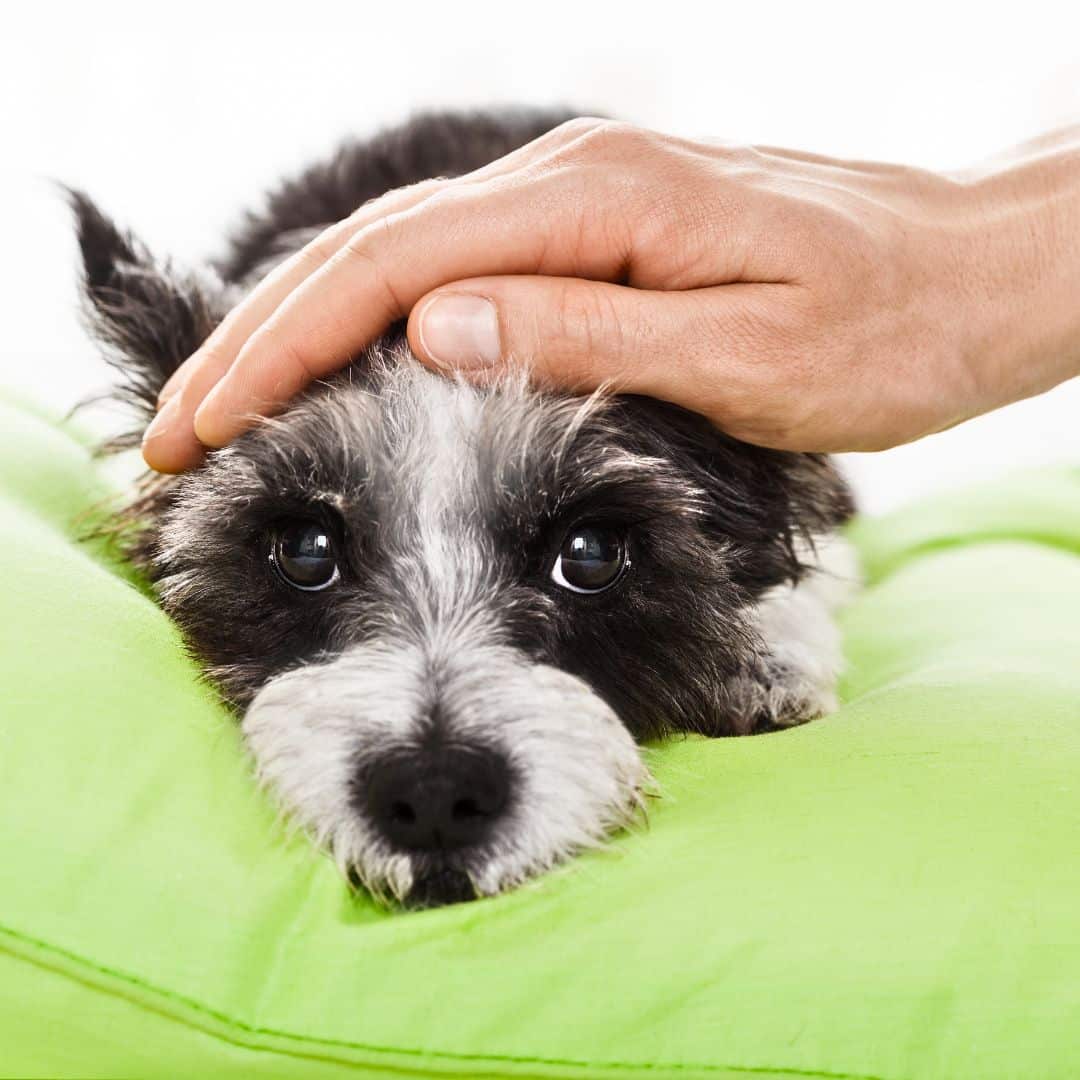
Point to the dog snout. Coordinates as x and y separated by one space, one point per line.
439 798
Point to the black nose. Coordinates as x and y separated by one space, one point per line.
438 798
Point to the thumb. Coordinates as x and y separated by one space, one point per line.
576 334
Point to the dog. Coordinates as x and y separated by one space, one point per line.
448 616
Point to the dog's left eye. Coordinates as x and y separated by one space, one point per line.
302 552
592 558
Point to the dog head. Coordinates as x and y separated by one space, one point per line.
448 616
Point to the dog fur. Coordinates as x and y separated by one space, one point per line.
444 632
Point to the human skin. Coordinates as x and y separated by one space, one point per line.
797 301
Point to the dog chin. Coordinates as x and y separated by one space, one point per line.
573 773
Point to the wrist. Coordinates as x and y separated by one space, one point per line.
1024 268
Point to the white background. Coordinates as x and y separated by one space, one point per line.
173 116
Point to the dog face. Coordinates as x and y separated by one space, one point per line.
449 615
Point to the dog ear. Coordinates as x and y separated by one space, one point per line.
770 505
147 315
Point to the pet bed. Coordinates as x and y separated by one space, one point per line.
892 892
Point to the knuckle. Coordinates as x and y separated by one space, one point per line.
604 140
590 328
365 242
369 249
271 348
617 137
740 160
579 126
321 249
436 188
440 195
420 189
217 353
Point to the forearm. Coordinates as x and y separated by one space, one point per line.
1028 253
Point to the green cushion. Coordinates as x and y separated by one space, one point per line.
890 892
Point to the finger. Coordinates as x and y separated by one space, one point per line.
219 350
221 347
170 443
170 447
492 228
699 348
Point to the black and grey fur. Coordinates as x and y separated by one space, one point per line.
444 664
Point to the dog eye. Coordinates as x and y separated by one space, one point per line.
592 558
302 553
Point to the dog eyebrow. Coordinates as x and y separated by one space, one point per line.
617 463
645 491
335 499
596 477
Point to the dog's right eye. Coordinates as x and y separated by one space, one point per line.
302 553
592 558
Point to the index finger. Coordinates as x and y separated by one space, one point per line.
223 345
534 227
170 445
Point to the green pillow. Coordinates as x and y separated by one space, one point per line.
891 892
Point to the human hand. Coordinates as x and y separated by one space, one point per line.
797 301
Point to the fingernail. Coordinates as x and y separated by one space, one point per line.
461 332
163 421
